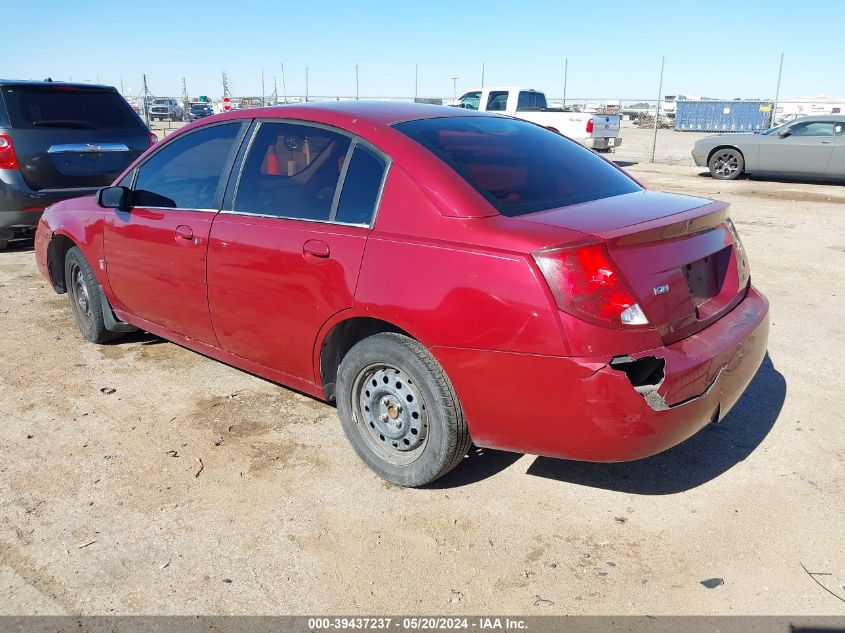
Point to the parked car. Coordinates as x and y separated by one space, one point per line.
199 110
808 147
445 276
166 108
593 130
57 141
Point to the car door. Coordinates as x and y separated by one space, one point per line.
155 252
285 252
836 167
805 150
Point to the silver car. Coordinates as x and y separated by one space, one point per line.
810 147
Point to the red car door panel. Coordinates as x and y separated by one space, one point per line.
273 282
156 261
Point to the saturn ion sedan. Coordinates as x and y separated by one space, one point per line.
445 276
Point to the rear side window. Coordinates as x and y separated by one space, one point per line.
185 173
291 171
360 187
68 107
497 101
517 166
530 101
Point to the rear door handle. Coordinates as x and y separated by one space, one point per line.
316 248
185 232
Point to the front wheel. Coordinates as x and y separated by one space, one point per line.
83 293
726 164
400 411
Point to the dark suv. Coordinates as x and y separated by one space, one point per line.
58 141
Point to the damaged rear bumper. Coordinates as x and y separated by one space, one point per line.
587 409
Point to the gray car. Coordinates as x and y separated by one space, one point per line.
811 147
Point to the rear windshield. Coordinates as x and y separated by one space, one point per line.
68 107
519 167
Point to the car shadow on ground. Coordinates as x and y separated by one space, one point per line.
625 163
703 457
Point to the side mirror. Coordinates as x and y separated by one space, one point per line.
114 198
785 133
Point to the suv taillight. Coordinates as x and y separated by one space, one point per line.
587 284
590 125
153 139
8 160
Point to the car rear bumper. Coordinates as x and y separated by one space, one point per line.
603 143
583 409
21 206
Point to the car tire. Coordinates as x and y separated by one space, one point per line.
4 244
726 163
400 411
83 293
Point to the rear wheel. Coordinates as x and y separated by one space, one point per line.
83 293
399 410
726 164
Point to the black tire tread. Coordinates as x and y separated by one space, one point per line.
98 332
457 434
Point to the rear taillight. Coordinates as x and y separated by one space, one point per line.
587 284
743 268
153 139
8 160
589 126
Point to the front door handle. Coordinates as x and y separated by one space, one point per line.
316 248
185 232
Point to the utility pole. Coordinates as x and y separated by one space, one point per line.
284 84
482 75
307 84
185 104
121 84
262 88
356 82
565 78
777 93
455 88
657 110
146 101
275 91
416 82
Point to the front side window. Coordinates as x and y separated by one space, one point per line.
184 174
812 128
517 166
291 171
470 101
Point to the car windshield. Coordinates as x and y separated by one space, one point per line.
517 166
68 107
199 106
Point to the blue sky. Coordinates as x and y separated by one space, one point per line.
614 48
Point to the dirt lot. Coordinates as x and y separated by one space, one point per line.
101 511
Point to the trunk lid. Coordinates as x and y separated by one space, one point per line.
682 261
69 137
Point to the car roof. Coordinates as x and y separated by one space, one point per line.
376 112
66 84
820 117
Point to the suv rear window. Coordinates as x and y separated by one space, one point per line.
517 166
68 107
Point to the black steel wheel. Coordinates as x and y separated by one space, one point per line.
399 410
83 293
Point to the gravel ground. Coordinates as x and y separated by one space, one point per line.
102 511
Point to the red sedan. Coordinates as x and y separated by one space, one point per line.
445 276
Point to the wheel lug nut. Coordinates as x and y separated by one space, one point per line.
382 417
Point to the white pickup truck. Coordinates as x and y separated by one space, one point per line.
596 131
